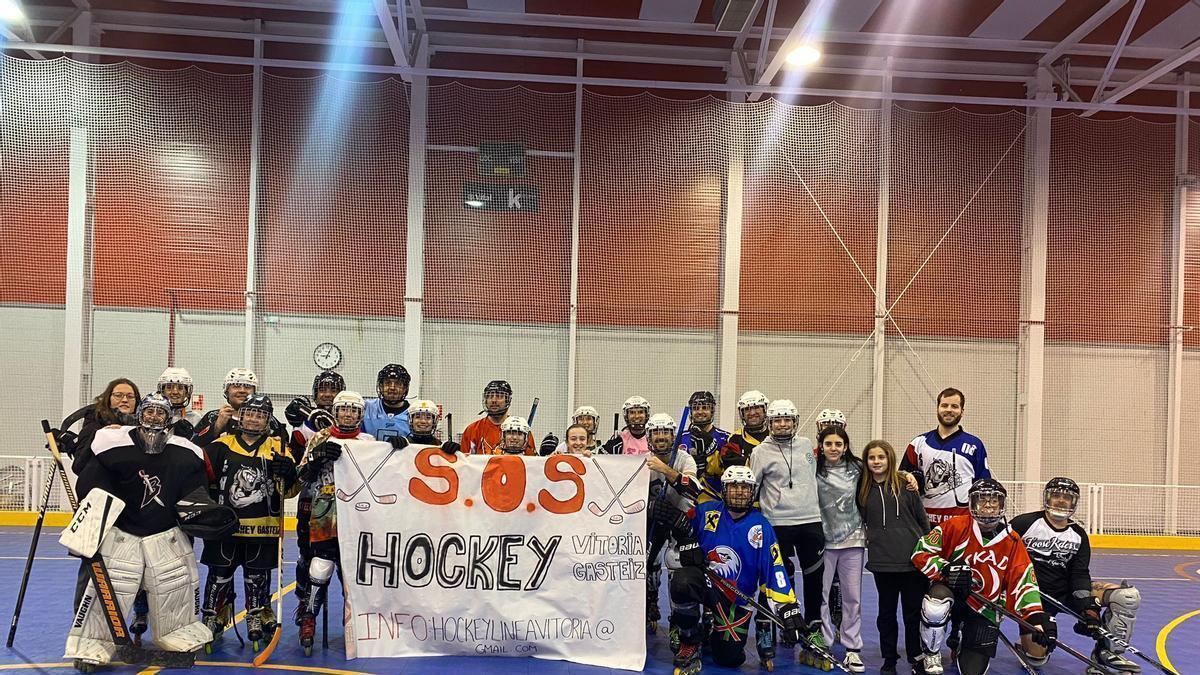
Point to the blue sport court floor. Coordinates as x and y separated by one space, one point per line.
1168 624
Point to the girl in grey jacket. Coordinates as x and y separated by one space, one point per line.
894 519
839 474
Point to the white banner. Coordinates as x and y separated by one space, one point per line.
500 554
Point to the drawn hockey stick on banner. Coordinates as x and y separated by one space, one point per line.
594 507
1107 635
379 499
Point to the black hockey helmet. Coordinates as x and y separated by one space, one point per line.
260 402
393 371
982 492
1062 486
498 387
328 378
702 398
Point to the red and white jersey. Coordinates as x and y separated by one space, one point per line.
1001 570
949 466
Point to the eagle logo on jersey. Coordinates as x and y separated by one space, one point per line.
153 488
248 487
725 562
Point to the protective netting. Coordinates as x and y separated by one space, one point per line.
167 161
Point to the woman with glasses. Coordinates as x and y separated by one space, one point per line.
112 408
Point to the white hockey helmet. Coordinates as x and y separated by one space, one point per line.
514 423
154 401
425 407
738 473
635 401
782 408
584 411
660 421
175 376
752 399
348 399
831 416
242 376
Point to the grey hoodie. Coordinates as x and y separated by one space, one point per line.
894 524
787 481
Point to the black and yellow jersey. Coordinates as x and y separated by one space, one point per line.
239 478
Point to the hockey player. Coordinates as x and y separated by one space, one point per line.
752 409
1061 554
161 481
307 418
977 552
425 417
176 385
515 438
586 417
632 439
733 540
482 437
787 478
673 489
240 383
252 473
704 441
830 417
317 472
387 415
947 460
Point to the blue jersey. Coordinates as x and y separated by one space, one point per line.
744 550
708 459
384 425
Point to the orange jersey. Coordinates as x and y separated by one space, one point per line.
482 437
1001 570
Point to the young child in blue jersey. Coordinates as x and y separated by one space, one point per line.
733 540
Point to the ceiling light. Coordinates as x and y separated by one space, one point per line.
802 56
10 11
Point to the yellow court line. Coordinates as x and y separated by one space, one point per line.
1160 645
300 667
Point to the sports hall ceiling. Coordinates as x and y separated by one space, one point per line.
974 50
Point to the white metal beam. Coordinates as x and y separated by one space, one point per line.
414 274
744 33
883 215
388 22
1082 31
1179 227
418 15
576 206
764 41
249 346
731 275
1154 72
801 31
1118 48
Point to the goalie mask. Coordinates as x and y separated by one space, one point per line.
255 415
176 384
423 417
392 384
326 385
737 487
348 410
660 434
636 411
1061 497
782 418
987 499
243 382
752 408
514 435
153 419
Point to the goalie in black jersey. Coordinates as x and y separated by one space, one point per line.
1061 555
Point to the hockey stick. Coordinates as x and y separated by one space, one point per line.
33 544
1030 670
265 654
379 499
532 411
595 507
765 612
1002 610
52 443
656 543
1108 635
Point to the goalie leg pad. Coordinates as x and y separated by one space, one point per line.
173 590
89 638
935 616
1120 612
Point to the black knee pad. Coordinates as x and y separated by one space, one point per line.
687 585
980 635
972 662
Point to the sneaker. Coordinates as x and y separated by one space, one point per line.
854 662
889 667
931 664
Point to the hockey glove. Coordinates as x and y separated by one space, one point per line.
614 446
690 554
66 441
320 419
283 468
451 447
731 455
958 577
549 445
183 429
687 487
792 618
326 452
1090 625
297 411
665 513
1048 635
398 442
